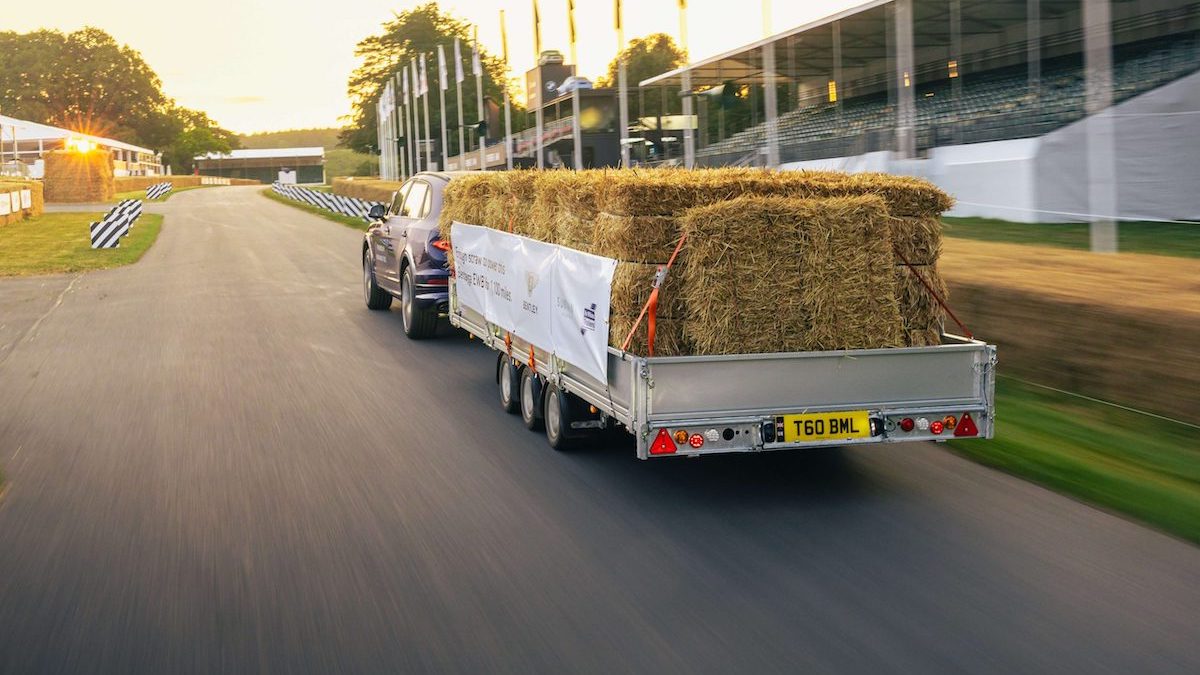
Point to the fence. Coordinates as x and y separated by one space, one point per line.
107 232
158 190
346 206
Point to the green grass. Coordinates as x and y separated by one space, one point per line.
60 242
141 194
356 223
1173 239
1136 464
346 162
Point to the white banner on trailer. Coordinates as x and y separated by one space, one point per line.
554 297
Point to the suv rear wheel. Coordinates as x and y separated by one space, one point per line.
376 297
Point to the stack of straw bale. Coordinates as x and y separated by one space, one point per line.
773 261
768 274
75 177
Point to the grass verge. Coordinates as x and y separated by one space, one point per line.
356 223
1174 239
1145 467
60 242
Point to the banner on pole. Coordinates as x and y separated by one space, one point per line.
458 71
554 297
442 79
424 77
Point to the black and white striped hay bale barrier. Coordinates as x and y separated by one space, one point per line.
107 232
158 190
346 206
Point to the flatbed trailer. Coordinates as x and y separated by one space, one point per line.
701 405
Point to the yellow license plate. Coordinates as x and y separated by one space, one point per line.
826 426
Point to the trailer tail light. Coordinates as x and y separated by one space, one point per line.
907 424
440 244
696 441
663 445
681 436
966 426
936 427
950 421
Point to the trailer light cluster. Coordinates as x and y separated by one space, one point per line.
960 426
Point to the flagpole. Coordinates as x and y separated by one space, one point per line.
689 139
576 131
623 93
428 135
458 80
416 93
442 98
410 144
537 56
508 159
477 65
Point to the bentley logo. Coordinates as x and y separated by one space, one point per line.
531 282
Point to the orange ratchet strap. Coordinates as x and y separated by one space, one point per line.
651 305
942 303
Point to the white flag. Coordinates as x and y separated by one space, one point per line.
442 68
416 81
475 65
458 73
424 77
404 85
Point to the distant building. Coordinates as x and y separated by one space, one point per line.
286 165
23 145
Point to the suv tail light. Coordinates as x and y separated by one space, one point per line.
440 244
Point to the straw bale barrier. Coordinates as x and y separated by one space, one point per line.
75 177
10 185
369 189
766 274
133 183
1123 328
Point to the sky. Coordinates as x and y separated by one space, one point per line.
267 65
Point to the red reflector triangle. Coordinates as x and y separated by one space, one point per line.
966 426
663 444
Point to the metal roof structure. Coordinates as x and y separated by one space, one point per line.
863 34
266 153
26 131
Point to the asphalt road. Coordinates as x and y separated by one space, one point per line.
220 461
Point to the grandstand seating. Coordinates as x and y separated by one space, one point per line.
994 105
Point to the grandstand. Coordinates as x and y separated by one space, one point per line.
989 98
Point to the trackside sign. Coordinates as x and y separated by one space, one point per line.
556 298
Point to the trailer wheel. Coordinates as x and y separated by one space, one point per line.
509 380
531 400
560 412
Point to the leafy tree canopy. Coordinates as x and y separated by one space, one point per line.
412 33
88 82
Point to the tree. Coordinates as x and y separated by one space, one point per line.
88 82
646 57
412 33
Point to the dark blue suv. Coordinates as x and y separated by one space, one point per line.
403 256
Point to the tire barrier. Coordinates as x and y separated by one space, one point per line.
346 206
107 232
158 190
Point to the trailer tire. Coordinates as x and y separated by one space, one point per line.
509 378
531 400
560 413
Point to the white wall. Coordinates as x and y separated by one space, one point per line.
1045 179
